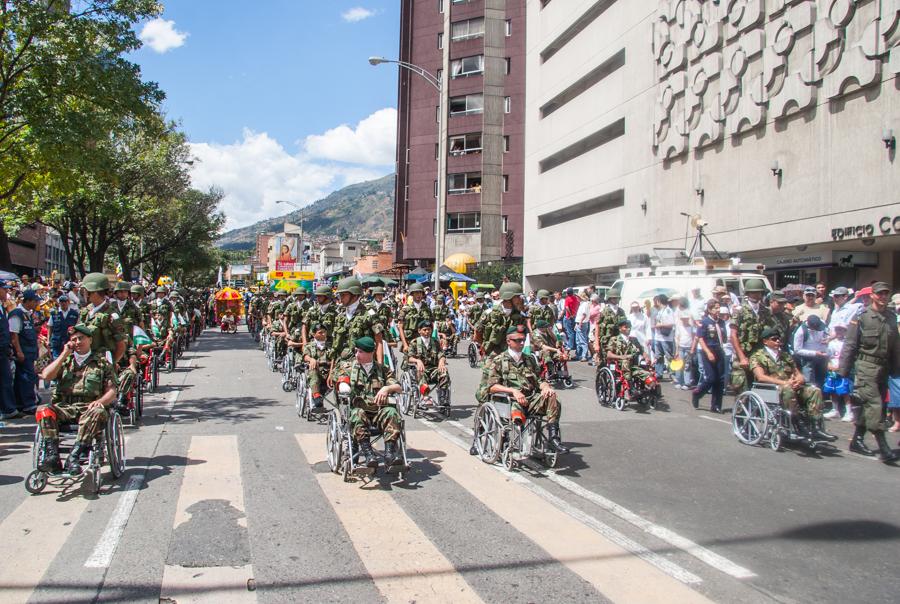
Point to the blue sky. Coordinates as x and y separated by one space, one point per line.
277 96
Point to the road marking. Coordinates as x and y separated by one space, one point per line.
279 428
32 535
109 541
403 562
714 560
208 585
619 568
714 419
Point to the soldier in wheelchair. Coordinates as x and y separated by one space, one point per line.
771 365
317 359
85 389
368 387
517 374
431 364
447 335
550 353
625 354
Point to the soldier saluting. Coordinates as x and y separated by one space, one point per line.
872 347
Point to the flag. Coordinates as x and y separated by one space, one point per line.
388 360
140 336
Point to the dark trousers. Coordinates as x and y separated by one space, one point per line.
713 379
7 394
569 326
25 382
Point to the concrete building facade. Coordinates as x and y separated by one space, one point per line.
774 121
477 48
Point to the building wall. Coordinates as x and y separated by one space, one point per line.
703 105
373 263
27 250
417 165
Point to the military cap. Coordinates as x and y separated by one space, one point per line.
769 332
424 323
840 291
300 291
613 293
30 294
87 330
809 291
622 322
350 285
515 329
778 296
95 282
541 323
416 287
123 286
543 293
508 291
880 286
755 285
138 289
377 290
323 290
365 343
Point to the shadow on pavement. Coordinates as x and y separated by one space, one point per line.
844 530
222 410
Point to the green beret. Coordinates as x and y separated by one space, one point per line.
622 322
424 323
95 282
365 343
541 323
323 290
87 330
768 332
515 329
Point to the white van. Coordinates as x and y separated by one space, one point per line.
640 284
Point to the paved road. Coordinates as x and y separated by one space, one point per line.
228 497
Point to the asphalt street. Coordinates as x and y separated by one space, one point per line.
228 497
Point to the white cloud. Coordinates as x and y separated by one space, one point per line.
257 171
161 35
372 143
357 14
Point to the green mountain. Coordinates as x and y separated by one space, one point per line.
363 211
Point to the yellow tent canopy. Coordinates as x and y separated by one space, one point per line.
459 262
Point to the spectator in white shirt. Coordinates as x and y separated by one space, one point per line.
663 333
844 311
811 347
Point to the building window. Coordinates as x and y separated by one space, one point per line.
506 144
437 152
435 188
467 105
441 40
592 78
467 30
465 144
508 27
579 148
466 182
440 75
507 65
505 183
507 104
440 6
596 205
374 265
467 66
437 114
463 222
504 223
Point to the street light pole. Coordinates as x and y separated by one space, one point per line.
441 202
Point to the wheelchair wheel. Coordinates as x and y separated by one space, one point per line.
403 401
170 366
36 447
154 374
36 482
775 441
115 445
334 439
302 403
620 403
749 418
605 386
488 433
472 353
567 382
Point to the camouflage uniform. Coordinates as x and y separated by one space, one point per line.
783 369
430 355
749 326
363 410
628 346
543 338
523 376
542 312
608 326
349 329
410 316
77 387
447 329
475 312
384 314
440 311
108 325
319 315
317 378
493 326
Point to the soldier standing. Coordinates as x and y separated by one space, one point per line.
127 310
355 322
608 324
749 321
138 298
109 330
411 314
491 330
543 310
872 347
323 313
781 320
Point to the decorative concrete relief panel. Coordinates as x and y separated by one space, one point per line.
726 66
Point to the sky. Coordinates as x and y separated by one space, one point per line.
277 97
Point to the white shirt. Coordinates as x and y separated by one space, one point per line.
843 315
808 342
772 353
351 309
665 316
684 328
582 314
835 347
15 323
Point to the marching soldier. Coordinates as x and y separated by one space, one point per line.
543 310
125 308
608 325
491 330
412 314
138 294
318 362
476 310
323 312
353 323
781 320
748 320
382 311
872 348
109 330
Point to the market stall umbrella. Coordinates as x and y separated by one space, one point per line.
388 282
8 276
416 274
447 275
658 291
372 280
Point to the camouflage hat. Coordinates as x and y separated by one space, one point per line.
87 330
323 290
377 290
543 293
350 285
365 343
300 291
614 293
138 289
778 296
508 291
95 282
123 286
754 285
416 287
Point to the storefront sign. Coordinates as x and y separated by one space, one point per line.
886 225
839 258
293 275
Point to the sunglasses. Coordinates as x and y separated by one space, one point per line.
516 339
775 338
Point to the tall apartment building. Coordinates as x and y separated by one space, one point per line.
775 121
477 48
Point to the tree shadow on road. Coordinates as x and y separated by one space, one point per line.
214 409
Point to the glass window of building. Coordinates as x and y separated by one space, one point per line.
468 29
463 222
467 66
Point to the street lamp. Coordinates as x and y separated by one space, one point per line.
442 157
300 251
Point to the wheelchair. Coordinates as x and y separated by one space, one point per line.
304 399
150 368
342 452
412 402
555 372
497 436
108 448
759 417
450 345
134 400
615 390
289 371
472 354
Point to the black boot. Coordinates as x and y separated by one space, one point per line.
391 454
49 456
366 455
73 463
819 432
885 453
858 445
553 436
803 428
695 399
